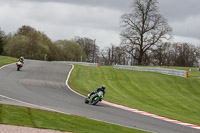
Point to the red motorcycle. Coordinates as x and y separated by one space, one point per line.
19 65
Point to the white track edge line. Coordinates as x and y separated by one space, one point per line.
34 105
45 108
128 109
104 103
6 65
82 96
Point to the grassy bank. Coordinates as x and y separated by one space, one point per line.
22 116
6 60
168 96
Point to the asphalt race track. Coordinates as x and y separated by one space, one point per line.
43 84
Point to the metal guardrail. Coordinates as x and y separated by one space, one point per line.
174 72
82 63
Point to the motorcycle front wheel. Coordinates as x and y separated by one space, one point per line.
95 100
86 100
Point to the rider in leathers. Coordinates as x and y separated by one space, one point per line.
102 88
21 59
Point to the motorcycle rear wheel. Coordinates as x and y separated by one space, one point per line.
86 100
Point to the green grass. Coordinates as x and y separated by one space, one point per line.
168 96
22 116
7 60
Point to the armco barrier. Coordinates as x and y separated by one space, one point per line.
174 72
82 63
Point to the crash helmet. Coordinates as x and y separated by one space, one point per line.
103 87
22 57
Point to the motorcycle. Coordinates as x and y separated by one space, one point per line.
95 98
19 65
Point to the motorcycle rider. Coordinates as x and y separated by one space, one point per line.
21 59
102 88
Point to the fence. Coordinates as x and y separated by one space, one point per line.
82 63
174 72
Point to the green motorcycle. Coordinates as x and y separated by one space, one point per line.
95 98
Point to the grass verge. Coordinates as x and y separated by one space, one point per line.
7 60
23 116
169 96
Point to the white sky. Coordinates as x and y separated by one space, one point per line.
95 19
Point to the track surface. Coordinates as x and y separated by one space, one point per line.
43 83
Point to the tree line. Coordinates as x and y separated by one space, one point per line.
164 54
34 44
145 39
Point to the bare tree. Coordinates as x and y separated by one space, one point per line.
104 55
144 27
108 54
187 55
93 51
175 54
161 54
114 55
89 47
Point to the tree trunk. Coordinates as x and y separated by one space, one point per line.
140 58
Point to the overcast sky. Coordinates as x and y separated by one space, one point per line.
95 19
